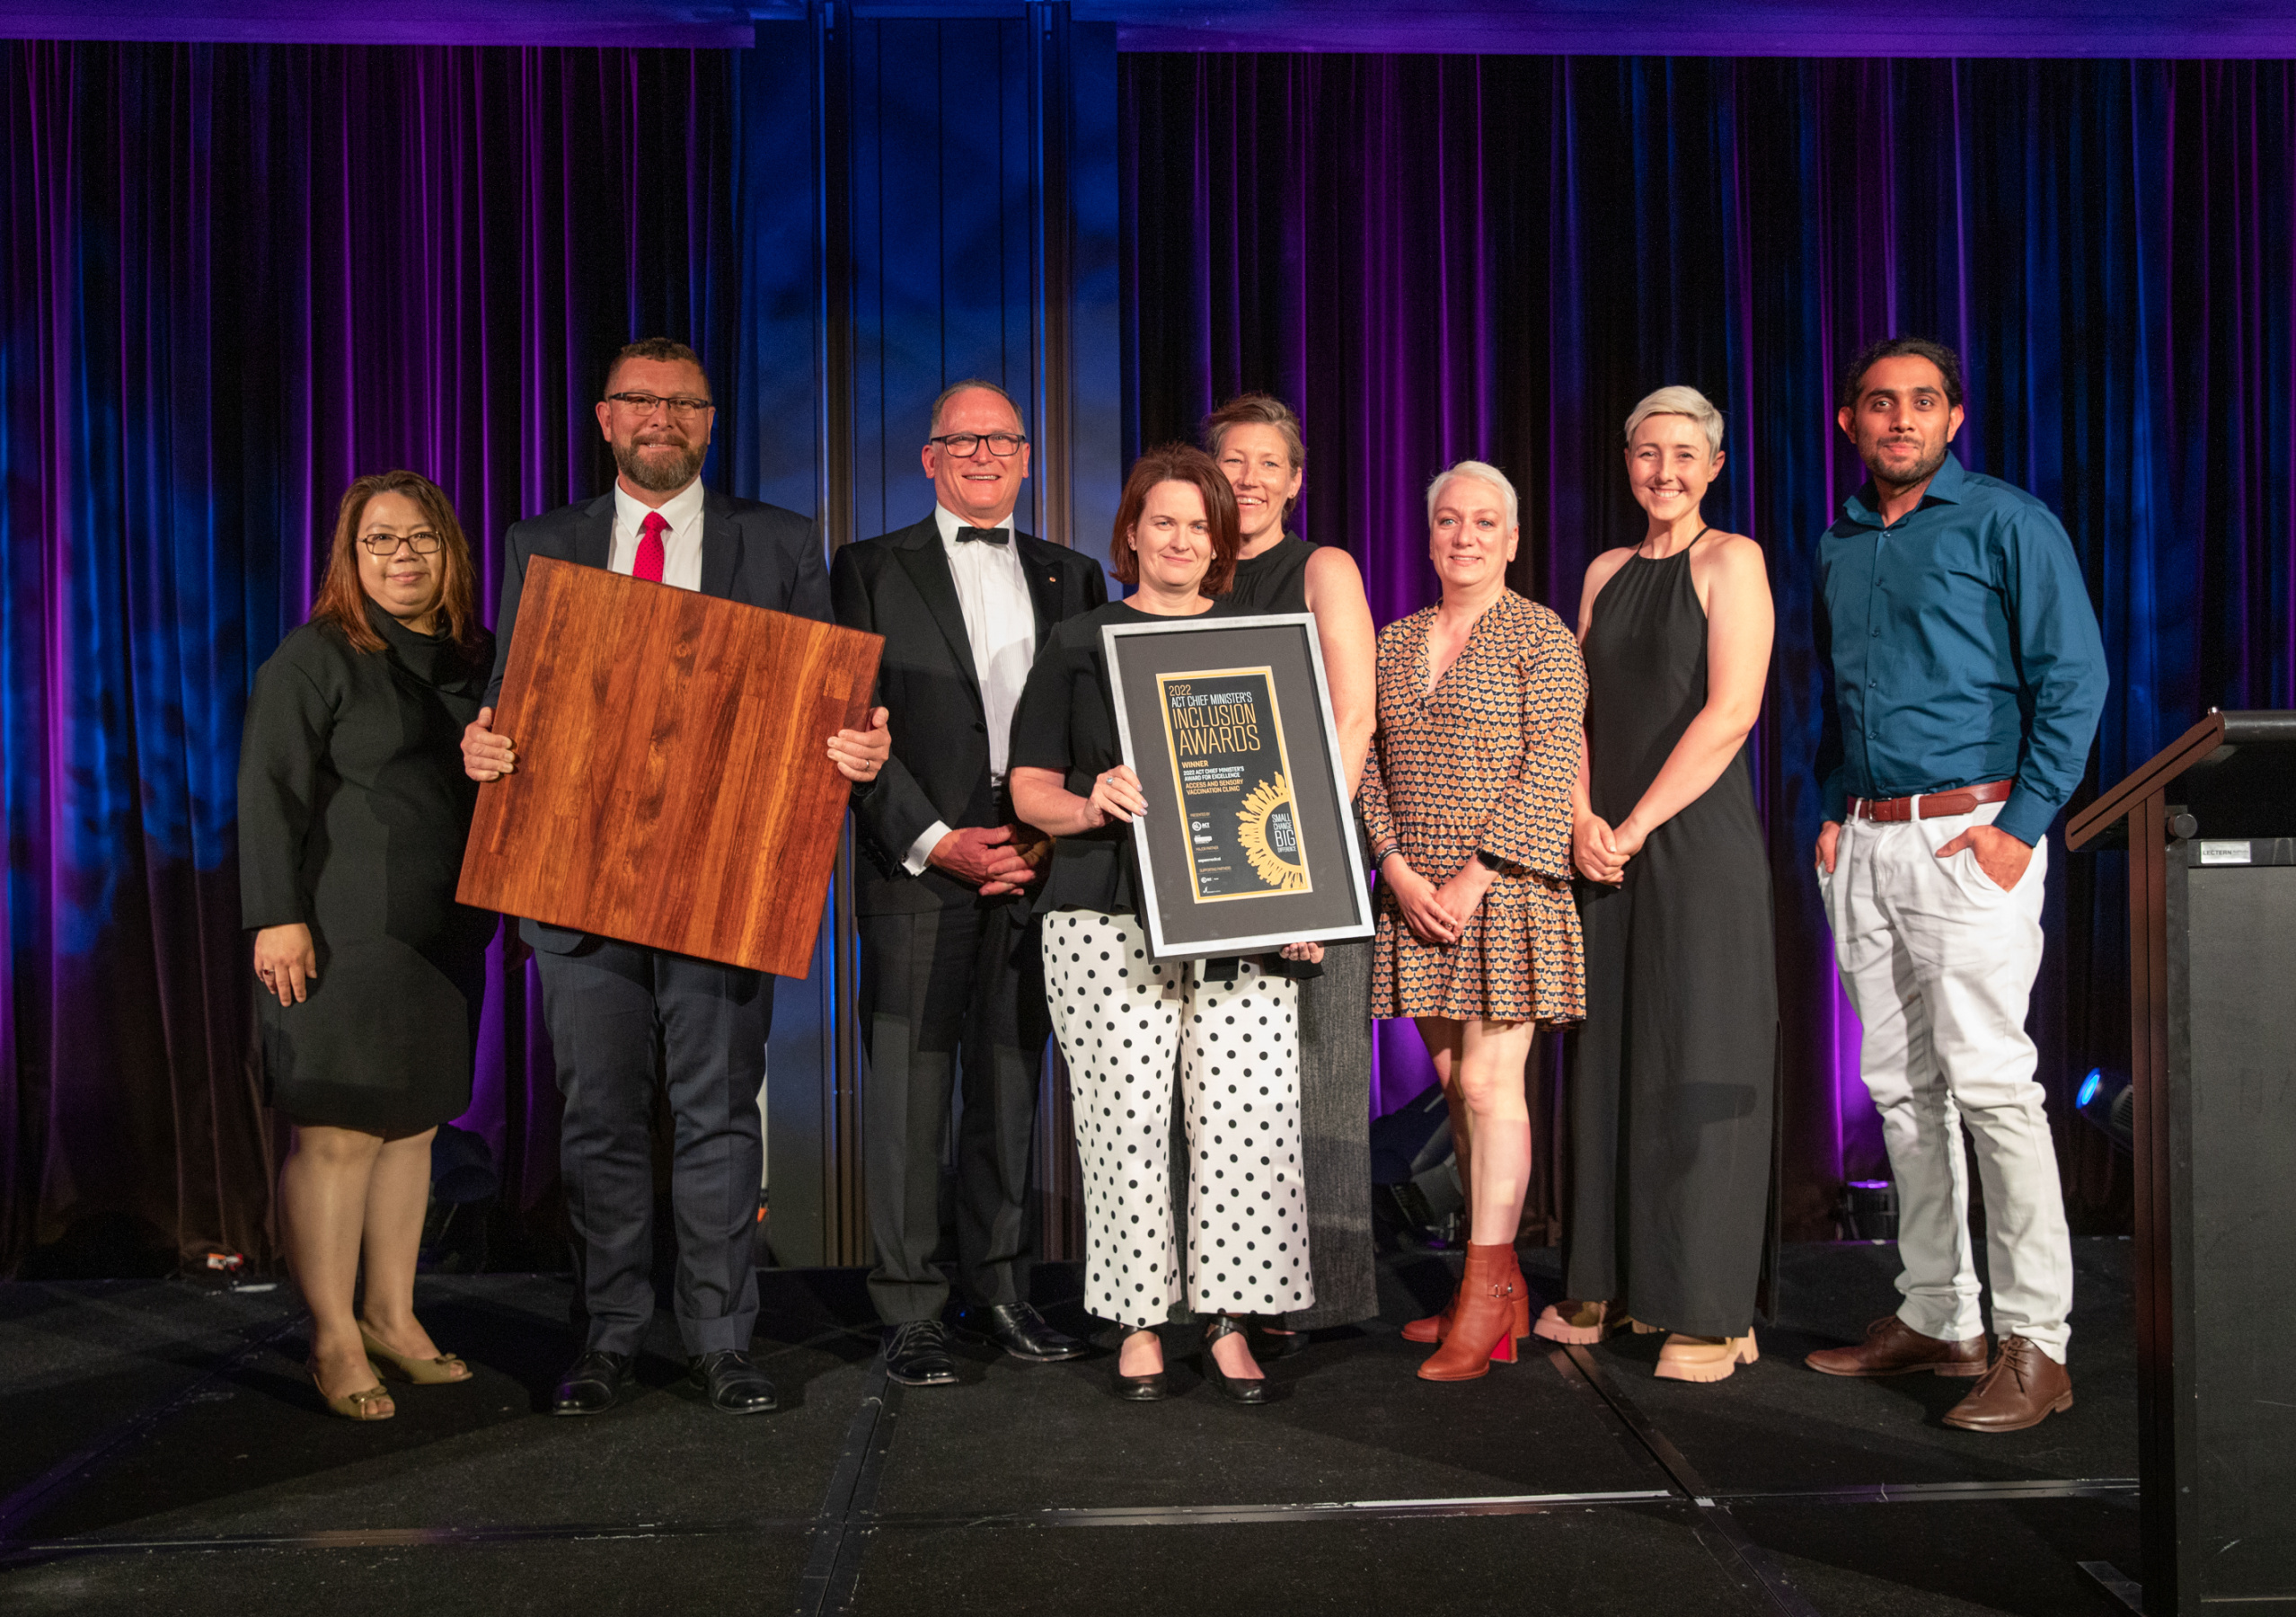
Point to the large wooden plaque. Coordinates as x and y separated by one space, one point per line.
674 786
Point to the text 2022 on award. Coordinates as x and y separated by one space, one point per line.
1233 783
1250 842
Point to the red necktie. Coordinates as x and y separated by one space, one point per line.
650 554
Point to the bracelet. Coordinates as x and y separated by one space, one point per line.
1385 854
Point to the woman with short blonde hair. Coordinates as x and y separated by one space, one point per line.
1467 798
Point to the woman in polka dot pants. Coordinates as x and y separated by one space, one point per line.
1124 1021
1220 1039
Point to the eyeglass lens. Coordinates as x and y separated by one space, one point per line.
646 403
963 444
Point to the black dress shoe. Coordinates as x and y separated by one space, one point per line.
1135 1388
735 1386
916 1354
1021 1331
590 1383
1236 1389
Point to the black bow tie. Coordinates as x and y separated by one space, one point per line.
996 535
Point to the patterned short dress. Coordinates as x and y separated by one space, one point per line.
1484 761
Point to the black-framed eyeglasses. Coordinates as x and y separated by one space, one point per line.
963 445
685 406
422 541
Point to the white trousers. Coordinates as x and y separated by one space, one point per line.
1133 1030
1939 963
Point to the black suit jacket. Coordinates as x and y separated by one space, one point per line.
751 552
899 586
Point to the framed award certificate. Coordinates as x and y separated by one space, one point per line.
1249 839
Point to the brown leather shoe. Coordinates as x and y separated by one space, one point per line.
2023 1388
1894 1347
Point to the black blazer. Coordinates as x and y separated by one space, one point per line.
899 586
751 552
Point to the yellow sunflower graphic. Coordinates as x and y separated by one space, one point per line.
1268 828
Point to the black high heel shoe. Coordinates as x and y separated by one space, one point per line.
1236 1389
1136 1389
1269 1342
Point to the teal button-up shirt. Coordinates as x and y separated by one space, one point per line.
1963 648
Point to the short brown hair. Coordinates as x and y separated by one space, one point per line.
1256 410
343 598
1181 464
662 351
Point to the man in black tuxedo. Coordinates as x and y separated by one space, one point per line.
610 1005
951 980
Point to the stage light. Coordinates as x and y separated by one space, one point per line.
2108 1102
1870 1210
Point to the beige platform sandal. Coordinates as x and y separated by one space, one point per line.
1583 1324
1705 1358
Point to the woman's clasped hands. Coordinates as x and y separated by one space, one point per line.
1600 849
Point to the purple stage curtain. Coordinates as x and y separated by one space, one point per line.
235 278
1441 257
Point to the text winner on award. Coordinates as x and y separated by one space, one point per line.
1234 784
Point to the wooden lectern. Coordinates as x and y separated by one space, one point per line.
674 786
2209 826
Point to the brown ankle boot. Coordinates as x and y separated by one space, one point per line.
1435 1327
1484 1319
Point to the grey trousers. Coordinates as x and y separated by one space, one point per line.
1335 1104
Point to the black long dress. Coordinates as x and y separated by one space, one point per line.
1335 1047
353 810
1674 1077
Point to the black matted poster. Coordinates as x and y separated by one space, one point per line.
1250 841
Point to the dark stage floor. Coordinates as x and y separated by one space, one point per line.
161 1453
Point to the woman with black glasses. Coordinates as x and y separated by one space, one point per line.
353 809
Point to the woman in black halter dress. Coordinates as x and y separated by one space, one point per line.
1256 439
1673 1087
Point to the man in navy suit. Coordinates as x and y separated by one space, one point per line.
951 980
611 1006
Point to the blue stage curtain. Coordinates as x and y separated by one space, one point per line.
234 278
1437 257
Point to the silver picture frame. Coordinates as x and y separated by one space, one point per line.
1333 902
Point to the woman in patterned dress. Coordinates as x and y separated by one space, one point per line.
1467 798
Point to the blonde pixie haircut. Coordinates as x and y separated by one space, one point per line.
1481 472
1682 402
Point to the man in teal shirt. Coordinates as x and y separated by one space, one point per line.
1967 679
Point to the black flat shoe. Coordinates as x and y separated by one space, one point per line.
1136 1389
1021 1331
1236 1389
1271 1342
734 1384
916 1354
590 1383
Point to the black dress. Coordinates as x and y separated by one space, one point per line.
1674 1076
1335 1046
353 809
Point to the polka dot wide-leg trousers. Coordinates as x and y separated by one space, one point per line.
1134 1031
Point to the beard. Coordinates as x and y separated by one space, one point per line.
661 473
1924 467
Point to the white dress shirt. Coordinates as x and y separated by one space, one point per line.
681 546
1000 622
